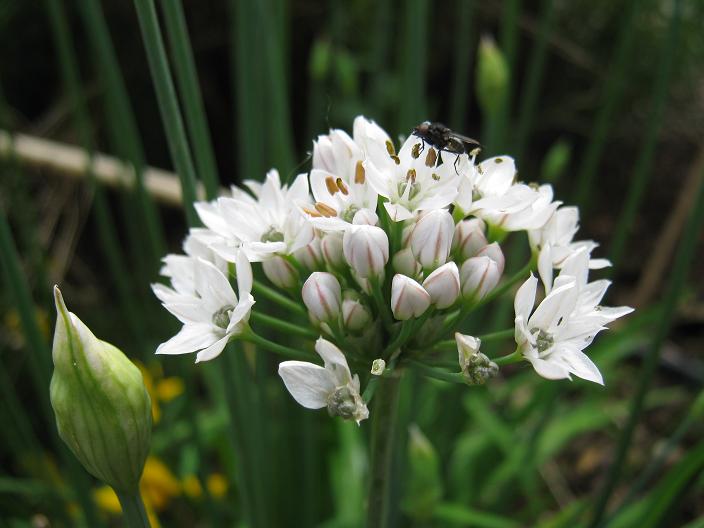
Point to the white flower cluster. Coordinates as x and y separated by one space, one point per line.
387 247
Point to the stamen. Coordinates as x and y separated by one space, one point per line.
359 175
325 210
411 175
499 160
415 151
396 160
435 177
330 184
431 158
314 214
341 185
390 148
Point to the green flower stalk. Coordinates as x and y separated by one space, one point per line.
102 408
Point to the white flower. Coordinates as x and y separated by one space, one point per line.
366 249
431 238
331 386
212 313
443 285
408 298
412 181
338 182
322 296
564 323
268 224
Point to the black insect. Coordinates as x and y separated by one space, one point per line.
445 140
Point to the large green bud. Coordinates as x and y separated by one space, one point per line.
103 410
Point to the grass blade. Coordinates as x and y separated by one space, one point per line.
412 107
187 78
462 69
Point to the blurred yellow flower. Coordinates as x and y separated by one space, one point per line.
158 487
161 390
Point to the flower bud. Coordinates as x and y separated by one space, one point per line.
443 285
431 238
355 315
478 276
366 249
103 411
492 76
493 251
322 296
310 256
469 238
378 367
408 298
331 248
405 263
365 217
280 272
476 366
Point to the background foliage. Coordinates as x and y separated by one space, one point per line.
603 99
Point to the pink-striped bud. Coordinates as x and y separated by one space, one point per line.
469 238
322 296
366 249
478 276
331 248
408 298
443 285
405 263
431 238
280 272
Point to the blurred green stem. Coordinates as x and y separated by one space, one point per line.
384 421
133 510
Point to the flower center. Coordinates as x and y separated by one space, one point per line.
543 340
273 235
348 214
221 318
342 403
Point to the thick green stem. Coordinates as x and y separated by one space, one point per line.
133 510
383 439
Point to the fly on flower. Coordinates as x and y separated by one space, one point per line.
444 139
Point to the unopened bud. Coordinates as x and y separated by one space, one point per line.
443 285
355 315
366 249
280 272
322 296
492 76
405 263
331 248
310 256
478 276
378 367
469 238
365 217
408 298
493 251
476 366
103 411
431 238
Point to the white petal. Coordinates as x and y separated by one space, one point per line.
244 274
189 339
549 369
213 350
556 306
525 298
309 384
335 361
579 364
397 212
